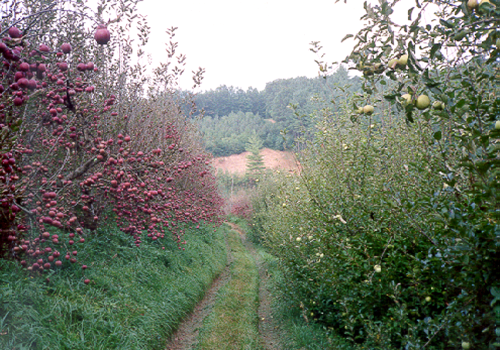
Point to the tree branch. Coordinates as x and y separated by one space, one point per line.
81 169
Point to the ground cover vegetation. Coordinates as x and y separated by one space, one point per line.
135 300
389 236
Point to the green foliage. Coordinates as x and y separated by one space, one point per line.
229 134
255 165
455 63
225 100
231 115
135 299
390 235
334 224
304 93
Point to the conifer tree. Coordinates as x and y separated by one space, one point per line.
255 163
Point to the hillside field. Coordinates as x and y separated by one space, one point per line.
237 163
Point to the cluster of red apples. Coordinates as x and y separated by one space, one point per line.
67 165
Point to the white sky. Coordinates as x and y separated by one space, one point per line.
250 43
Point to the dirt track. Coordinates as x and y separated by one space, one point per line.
186 336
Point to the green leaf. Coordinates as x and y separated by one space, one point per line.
409 13
347 37
497 312
409 116
435 48
446 24
391 97
461 103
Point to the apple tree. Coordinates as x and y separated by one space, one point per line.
441 67
389 236
84 139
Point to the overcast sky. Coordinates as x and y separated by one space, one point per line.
250 43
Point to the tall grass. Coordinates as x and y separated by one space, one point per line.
298 330
136 298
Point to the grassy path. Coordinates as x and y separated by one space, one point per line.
236 312
268 327
185 337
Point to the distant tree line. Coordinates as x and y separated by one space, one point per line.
229 134
224 100
232 115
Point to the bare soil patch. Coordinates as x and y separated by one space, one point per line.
237 163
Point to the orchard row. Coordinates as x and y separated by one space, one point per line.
81 147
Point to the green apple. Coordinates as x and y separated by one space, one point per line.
472 4
438 105
465 345
368 109
497 125
407 99
392 63
403 61
423 102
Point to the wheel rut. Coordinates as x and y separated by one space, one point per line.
186 336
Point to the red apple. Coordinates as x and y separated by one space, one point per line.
102 35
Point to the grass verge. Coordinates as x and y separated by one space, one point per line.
136 298
233 323
297 332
